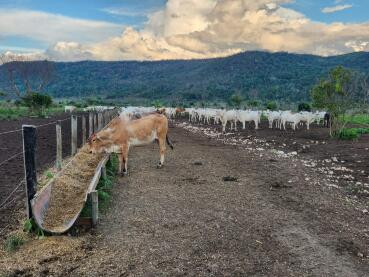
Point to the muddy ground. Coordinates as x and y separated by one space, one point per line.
12 172
278 216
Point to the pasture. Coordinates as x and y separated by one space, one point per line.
264 202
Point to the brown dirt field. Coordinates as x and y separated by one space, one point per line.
12 172
278 218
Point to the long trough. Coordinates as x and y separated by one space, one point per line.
44 203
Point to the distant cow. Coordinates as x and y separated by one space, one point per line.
327 120
122 133
69 109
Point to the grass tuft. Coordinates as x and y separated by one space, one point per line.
13 242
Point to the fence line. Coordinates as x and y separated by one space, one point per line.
102 119
4 133
4 202
12 157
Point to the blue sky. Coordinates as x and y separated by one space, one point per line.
88 24
312 9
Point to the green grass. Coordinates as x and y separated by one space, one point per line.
359 119
13 242
12 112
352 133
104 187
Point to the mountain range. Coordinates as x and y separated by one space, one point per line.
254 75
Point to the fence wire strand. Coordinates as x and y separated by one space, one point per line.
9 132
3 204
12 157
39 126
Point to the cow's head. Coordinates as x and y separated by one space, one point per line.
95 144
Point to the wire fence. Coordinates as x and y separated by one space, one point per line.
3 164
47 145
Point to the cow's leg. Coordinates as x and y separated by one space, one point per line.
224 125
124 158
162 151
120 159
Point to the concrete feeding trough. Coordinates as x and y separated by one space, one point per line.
59 204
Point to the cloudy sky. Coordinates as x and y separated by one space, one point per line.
72 30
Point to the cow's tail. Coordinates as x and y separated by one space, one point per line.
169 142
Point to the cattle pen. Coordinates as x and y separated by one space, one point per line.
41 148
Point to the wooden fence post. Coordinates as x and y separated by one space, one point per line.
94 207
29 145
74 134
99 121
95 123
83 130
90 124
59 144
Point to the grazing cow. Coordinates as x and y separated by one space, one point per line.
179 111
327 120
69 109
122 133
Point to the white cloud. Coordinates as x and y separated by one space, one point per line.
187 29
50 28
336 8
120 11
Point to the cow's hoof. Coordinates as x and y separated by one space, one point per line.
124 173
159 166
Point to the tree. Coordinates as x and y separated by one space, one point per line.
253 103
24 75
335 96
271 105
236 100
304 107
37 102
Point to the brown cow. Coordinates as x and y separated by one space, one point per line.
121 133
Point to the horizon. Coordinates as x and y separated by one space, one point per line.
198 59
152 30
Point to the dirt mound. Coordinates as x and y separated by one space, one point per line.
69 189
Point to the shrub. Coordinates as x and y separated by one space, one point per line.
37 102
335 95
271 105
352 133
304 107
235 100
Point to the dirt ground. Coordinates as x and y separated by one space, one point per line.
12 172
214 209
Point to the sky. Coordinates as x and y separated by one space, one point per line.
72 30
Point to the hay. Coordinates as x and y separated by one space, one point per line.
69 190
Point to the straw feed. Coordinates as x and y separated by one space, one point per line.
69 190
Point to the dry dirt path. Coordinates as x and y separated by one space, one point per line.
184 219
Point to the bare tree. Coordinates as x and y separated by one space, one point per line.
25 75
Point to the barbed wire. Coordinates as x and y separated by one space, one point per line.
12 157
9 132
38 126
3 204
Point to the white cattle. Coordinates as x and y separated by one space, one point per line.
69 109
226 116
248 116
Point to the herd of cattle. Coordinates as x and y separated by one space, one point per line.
278 119
143 125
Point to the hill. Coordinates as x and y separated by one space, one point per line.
255 75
